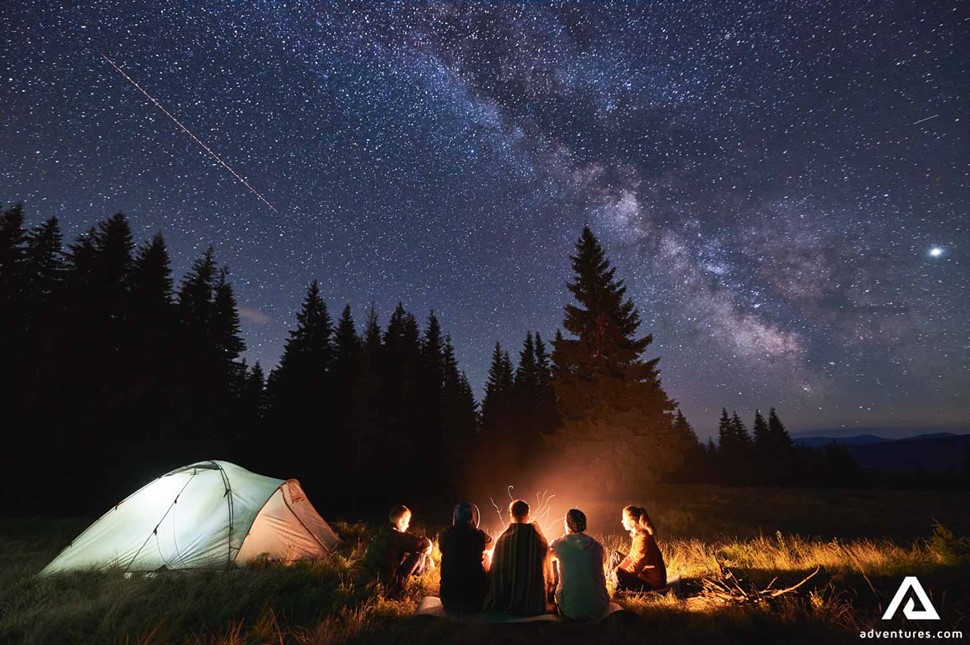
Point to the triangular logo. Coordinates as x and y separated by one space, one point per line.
928 612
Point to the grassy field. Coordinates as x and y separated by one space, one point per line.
863 543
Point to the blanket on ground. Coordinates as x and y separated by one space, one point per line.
431 606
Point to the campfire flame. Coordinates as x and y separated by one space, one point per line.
539 513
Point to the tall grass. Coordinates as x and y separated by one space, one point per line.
324 602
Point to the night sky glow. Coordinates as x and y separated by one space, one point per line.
783 186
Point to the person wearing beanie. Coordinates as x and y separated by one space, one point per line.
581 588
465 554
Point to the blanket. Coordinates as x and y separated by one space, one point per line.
431 606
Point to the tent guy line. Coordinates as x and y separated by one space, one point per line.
189 132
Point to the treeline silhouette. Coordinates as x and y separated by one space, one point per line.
765 456
113 373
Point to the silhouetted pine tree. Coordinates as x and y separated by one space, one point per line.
497 410
226 332
524 422
546 416
615 416
256 391
297 390
41 364
100 363
227 345
347 348
44 266
780 454
761 452
429 460
13 329
249 432
733 449
368 428
712 472
742 470
154 321
692 469
401 409
460 420
196 371
13 255
498 399
726 448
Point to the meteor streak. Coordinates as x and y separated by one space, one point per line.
926 119
189 132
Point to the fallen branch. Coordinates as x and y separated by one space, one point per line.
726 588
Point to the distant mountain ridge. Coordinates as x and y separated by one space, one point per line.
933 451
884 433
856 440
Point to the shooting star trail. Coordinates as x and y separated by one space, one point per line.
189 132
926 119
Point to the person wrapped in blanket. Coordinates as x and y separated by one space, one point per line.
465 559
521 572
394 555
643 569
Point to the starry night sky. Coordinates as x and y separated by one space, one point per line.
783 187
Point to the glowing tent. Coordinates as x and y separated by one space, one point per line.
207 515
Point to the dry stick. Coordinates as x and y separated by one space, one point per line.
727 587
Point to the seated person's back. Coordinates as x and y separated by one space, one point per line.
520 572
581 590
464 561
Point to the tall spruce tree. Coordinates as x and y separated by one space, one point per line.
347 348
547 418
525 407
760 450
615 416
368 431
741 466
154 321
693 466
430 392
13 329
196 372
727 449
498 397
401 414
226 331
781 454
45 273
500 446
298 393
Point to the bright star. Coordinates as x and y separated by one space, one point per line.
936 251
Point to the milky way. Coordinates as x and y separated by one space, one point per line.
783 186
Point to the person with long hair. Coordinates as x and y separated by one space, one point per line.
465 560
643 568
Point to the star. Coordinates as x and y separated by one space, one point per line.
936 251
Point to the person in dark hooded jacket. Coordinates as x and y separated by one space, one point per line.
465 554
581 589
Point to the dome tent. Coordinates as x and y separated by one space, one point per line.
207 515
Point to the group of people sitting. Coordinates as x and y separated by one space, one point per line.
520 573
